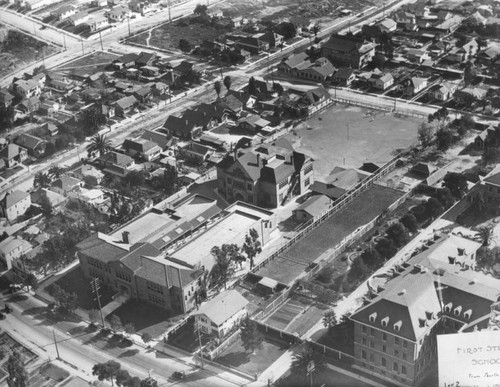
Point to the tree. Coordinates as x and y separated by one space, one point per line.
41 180
302 360
434 208
469 74
115 323
386 248
250 336
286 29
485 235
252 87
106 371
329 319
18 377
444 139
134 382
410 222
315 29
425 134
357 270
122 378
99 144
185 46
223 268
200 9
466 123
146 337
149 382
217 88
456 183
129 329
491 155
31 281
398 233
252 246
227 82
94 316
371 257
55 172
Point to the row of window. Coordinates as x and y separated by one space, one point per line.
383 362
156 300
384 348
397 340
308 169
124 276
154 287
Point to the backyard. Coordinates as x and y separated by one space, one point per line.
48 375
88 64
349 136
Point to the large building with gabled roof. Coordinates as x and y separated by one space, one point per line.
266 175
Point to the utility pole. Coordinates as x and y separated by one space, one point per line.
64 40
100 38
94 284
199 342
83 52
169 12
55 343
128 20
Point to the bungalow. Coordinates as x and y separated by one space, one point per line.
29 105
463 53
145 59
202 118
65 184
163 140
5 99
486 137
34 145
125 105
97 23
123 87
182 128
13 155
26 88
387 25
142 7
489 55
89 174
53 76
222 313
142 148
381 81
417 56
274 39
252 123
406 19
14 204
119 14
116 163
444 91
253 45
468 95
79 18
63 12
143 93
197 153
126 60
312 208
344 76
414 86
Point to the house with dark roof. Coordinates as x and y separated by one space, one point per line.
13 155
14 204
141 148
29 105
414 85
145 59
253 123
222 313
182 128
65 184
274 39
34 145
197 153
348 51
89 174
163 140
381 81
313 207
140 271
267 175
118 13
63 12
116 163
125 105
344 76
126 60
251 44
5 99
26 88
300 66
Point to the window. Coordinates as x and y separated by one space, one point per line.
405 344
384 348
308 169
395 367
363 329
363 354
404 356
124 276
363 340
396 353
372 357
155 299
403 370
384 363
307 182
384 336
372 332
229 180
372 344
281 198
154 287
396 340
283 183
249 186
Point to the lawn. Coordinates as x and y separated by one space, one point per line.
284 315
186 338
8 344
48 375
251 363
306 321
349 136
364 208
145 317
75 281
88 64
324 378
340 337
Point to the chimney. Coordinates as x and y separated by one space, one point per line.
235 153
125 237
258 160
451 260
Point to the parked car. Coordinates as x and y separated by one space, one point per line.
7 308
179 374
2 316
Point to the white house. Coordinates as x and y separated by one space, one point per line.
222 313
381 81
14 204
12 248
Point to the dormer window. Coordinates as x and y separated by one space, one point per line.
397 326
468 314
457 311
372 317
385 321
447 307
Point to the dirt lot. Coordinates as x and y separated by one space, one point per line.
18 50
349 136
88 64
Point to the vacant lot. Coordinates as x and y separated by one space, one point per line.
359 212
350 136
18 50
88 64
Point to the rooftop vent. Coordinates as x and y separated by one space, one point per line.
461 251
402 292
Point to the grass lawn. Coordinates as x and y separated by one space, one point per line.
74 281
88 64
325 378
145 317
339 337
236 356
349 136
284 315
8 344
186 338
364 208
306 321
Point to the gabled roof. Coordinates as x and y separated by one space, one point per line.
28 141
178 125
127 58
223 306
344 43
10 151
388 24
144 58
493 180
12 198
66 182
126 102
116 158
417 82
315 205
139 144
161 139
294 60
344 73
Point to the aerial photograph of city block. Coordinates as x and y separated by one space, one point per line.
221 193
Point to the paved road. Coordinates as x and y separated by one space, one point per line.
30 323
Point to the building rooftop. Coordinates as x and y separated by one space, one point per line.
223 306
11 198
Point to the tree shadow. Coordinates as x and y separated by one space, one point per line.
234 359
38 312
129 353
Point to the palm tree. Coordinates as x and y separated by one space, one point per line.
302 363
315 30
55 172
100 144
329 319
217 87
41 180
227 82
485 235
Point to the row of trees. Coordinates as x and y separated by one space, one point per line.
227 81
64 300
112 371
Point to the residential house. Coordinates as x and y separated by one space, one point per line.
141 148
125 61
116 163
12 248
142 7
5 99
387 25
312 208
438 48
221 314
125 105
406 19
463 53
160 89
444 91
13 155
79 18
253 45
63 12
266 175
301 24
65 184
414 85
252 123
348 51
143 93
26 88
197 153
163 140
468 95
34 145
489 55
300 66
313 99
200 117
140 271
274 39
107 111
417 56
118 14
48 108
381 81
150 71
489 192
97 23
89 174
145 59
58 81
99 3
344 76
50 129
29 105
182 128
14 204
